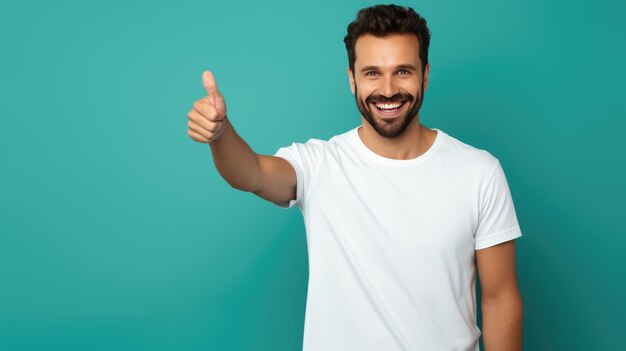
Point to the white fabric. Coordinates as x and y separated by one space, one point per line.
391 243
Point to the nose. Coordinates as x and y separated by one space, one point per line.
388 87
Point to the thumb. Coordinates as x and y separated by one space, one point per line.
209 84
215 97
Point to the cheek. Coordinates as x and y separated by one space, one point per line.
364 90
413 85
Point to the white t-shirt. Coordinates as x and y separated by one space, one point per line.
391 243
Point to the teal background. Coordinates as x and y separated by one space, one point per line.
117 232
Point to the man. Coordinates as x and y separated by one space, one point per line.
398 216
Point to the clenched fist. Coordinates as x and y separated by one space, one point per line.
207 117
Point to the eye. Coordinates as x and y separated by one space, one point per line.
371 73
404 72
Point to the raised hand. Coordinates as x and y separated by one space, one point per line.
207 117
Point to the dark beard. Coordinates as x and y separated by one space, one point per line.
396 126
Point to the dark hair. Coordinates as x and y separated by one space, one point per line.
384 20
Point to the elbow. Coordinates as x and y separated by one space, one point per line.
511 296
248 187
240 187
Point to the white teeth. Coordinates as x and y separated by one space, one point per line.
388 106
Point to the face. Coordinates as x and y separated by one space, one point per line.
388 83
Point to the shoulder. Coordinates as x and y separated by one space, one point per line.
468 157
314 151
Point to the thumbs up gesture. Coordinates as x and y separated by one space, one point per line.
207 118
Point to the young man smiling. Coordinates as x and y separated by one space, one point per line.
399 217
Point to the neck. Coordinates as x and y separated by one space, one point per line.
413 142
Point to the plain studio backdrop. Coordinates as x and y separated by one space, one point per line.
117 232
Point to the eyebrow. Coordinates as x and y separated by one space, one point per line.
375 68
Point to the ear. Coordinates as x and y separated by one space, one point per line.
426 72
352 84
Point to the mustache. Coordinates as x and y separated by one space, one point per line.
395 98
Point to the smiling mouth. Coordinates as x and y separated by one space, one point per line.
389 110
388 107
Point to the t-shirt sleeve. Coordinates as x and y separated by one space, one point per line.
303 158
497 219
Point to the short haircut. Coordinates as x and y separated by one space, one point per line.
384 20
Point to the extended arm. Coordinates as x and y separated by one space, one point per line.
271 178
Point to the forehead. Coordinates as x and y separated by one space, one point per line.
391 50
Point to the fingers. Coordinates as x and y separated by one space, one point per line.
201 124
198 133
203 129
206 109
201 134
197 137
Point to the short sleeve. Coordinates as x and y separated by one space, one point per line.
497 219
304 158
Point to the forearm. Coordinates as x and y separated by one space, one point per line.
502 322
234 159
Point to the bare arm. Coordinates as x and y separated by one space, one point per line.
277 182
502 307
271 178
235 161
